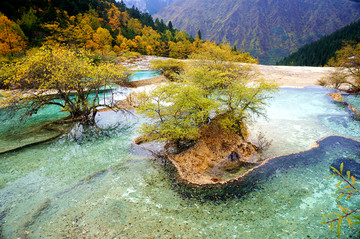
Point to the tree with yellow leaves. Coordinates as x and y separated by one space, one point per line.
347 72
223 52
212 89
102 39
68 79
116 17
150 42
135 25
12 38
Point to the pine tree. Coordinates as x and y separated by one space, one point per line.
170 26
199 34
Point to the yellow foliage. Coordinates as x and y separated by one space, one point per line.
117 49
223 52
71 74
124 47
120 39
117 18
102 39
135 25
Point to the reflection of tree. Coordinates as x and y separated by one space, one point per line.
81 133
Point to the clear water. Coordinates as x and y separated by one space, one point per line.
354 100
17 133
143 75
299 117
97 185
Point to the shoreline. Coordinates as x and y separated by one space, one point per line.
241 184
284 76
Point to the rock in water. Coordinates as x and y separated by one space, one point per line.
217 152
349 165
336 96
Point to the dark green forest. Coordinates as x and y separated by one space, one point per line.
318 53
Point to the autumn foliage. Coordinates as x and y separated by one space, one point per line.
212 88
347 72
12 39
62 77
107 28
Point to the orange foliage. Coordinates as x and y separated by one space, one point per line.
90 32
11 37
117 18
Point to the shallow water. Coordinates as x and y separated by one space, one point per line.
296 118
97 185
143 75
354 100
16 133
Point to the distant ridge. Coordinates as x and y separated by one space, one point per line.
150 6
319 52
268 29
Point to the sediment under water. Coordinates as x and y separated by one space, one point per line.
97 185
354 100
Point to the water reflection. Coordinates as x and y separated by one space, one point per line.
105 127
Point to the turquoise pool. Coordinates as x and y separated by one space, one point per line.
143 75
98 185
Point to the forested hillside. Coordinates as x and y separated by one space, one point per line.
318 53
269 29
105 27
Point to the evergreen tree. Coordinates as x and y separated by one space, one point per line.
170 26
122 5
199 34
318 53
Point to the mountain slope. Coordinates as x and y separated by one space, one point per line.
318 53
151 6
270 29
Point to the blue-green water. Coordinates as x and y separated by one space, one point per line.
97 185
143 75
354 100
16 133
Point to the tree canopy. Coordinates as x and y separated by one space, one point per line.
347 73
319 52
58 76
105 27
12 38
170 68
209 90
221 53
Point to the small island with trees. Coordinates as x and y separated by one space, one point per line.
73 57
202 115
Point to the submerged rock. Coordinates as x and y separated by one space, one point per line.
349 165
339 98
336 96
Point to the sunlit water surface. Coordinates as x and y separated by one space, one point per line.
97 185
143 75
